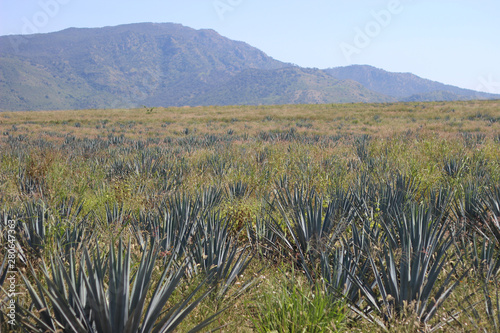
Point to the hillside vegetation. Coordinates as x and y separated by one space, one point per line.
169 64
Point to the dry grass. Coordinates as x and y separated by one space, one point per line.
378 120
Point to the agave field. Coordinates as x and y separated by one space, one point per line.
305 218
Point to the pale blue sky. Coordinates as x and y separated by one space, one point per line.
451 41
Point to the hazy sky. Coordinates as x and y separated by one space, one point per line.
451 41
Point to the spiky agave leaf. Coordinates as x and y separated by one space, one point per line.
210 197
470 206
72 226
492 301
487 310
491 216
174 225
3 271
33 224
239 190
396 194
261 236
100 297
481 254
345 267
116 214
409 267
312 228
65 315
218 255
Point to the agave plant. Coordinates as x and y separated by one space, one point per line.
30 184
239 190
119 168
489 319
344 261
440 202
146 164
312 229
173 226
361 144
210 197
169 174
32 226
482 255
455 166
471 140
218 255
470 208
492 303
407 270
218 164
73 227
261 237
491 293
491 215
393 196
70 209
116 214
93 296
73 237
292 198
339 265
3 298
172 234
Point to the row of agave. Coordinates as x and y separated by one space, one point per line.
384 249
86 146
380 245
84 289
389 217
170 169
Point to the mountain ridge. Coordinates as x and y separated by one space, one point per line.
399 85
164 64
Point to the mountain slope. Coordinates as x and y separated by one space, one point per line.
288 85
155 64
123 64
404 86
169 64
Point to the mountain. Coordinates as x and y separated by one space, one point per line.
85 68
404 86
166 64
288 85
156 65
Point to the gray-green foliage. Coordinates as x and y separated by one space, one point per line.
216 253
408 269
103 294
